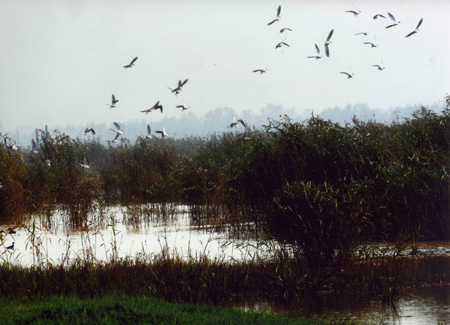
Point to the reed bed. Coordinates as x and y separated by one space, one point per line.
318 189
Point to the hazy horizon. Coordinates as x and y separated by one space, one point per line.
191 125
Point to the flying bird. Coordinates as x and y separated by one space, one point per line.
277 18
349 75
362 33
131 63
243 123
379 67
417 28
328 42
85 164
261 70
89 130
113 102
59 143
279 45
355 13
11 247
153 108
371 44
283 30
318 56
118 131
177 90
378 16
34 146
13 147
234 123
183 107
163 133
149 132
393 19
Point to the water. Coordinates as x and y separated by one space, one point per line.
118 236
121 232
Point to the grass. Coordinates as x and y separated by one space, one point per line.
126 310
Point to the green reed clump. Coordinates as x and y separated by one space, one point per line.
143 173
326 187
56 178
14 195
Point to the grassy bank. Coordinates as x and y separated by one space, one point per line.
126 310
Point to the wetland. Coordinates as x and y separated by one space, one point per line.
313 219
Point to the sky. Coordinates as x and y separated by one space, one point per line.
60 61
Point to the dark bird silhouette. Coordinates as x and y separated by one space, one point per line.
89 130
261 71
379 67
177 90
355 13
417 28
131 63
283 30
318 56
371 44
378 16
349 75
277 18
243 123
393 19
153 108
328 42
113 102
10 246
183 107
163 133
279 45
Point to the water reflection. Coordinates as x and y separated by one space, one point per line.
118 232
424 305
118 235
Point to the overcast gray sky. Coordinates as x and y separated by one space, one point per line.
60 61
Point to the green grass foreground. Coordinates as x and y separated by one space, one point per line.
126 310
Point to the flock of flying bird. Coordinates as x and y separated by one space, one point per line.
327 42
155 107
235 123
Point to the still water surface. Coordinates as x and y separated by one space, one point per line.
116 235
